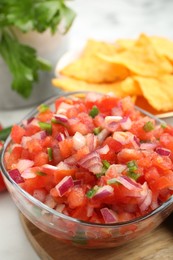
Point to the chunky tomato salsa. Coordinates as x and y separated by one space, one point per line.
95 158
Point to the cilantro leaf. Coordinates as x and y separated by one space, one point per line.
26 16
37 15
22 62
148 126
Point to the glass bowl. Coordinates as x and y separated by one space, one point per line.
73 231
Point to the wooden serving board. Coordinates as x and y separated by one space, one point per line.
158 245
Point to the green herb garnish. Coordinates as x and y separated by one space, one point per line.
43 108
132 168
92 192
27 16
97 130
94 111
22 62
163 125
106 164
112 181
46 126
41 173
50 154
133 175
148 126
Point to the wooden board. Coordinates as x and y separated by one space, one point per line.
158 245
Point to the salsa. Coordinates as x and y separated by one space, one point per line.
95 158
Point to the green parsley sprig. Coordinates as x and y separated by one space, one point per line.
26 16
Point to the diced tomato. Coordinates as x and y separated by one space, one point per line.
107 103
34 146
45 116
76 197
80 213
66 148
41 158
127 155
14 156
60 174
17 133
113 144
31 130
166 140
85 177
56 129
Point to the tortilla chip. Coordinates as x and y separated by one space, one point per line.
158 92
124 44
163 46
120 89
141 59
90 68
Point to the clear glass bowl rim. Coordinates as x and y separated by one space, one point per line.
42 206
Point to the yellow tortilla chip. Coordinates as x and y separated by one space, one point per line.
90 68
120 89
163 46
158 92
141 59
125 43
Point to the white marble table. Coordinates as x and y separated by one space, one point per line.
99 19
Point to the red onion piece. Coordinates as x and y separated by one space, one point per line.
112 122
40 135
136 139
148 146
128 183
102 135
133 182
62 166
145 199
122 137
91 141
125 138
126 123
24 140
24 164
61 118
116 169
70 160
50 202
103 192
49 169
33 121
93 97
28 174
64 185
163 151
79 141
92 162
63 107
104 150
39 194
108 215
60 137
16 176
96 168
90 211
